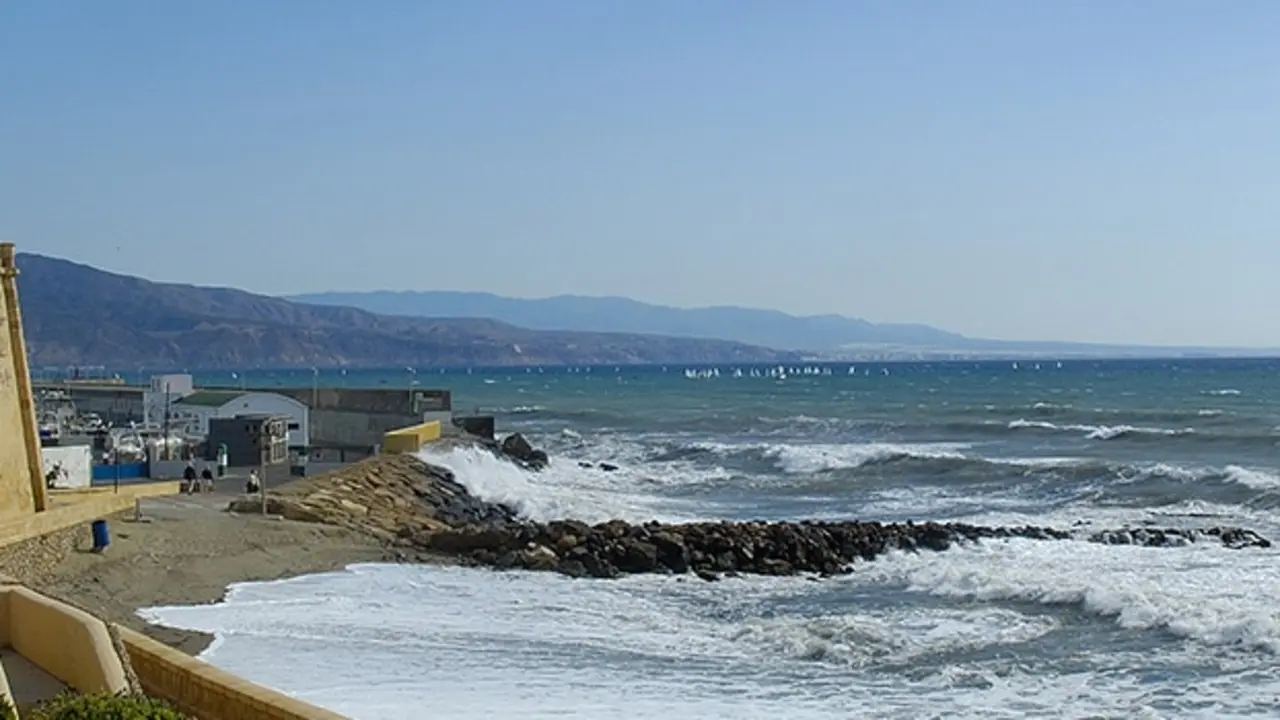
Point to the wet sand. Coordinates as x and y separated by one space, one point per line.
186 552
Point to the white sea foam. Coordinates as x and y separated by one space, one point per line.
809 458
1203 592
390 642
1254 478
566 490
889 637
1099 432
803 459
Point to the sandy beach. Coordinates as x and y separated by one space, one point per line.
186 551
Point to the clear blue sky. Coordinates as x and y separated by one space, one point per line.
1080 170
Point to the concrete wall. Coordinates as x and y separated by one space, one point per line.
21 469
203 691
478 425
377 401
74 465
411 439
354 429
65 642
340 455
76 648
320 468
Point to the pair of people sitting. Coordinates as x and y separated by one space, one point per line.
190 484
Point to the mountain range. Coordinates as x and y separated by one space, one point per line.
74 314
768 328
826 336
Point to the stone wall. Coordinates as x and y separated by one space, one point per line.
30 561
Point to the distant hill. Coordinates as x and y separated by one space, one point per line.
827 336
74 314
769 328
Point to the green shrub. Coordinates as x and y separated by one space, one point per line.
7 710
105 707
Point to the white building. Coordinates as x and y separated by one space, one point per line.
193 411
164 391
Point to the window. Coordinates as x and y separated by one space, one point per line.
293 426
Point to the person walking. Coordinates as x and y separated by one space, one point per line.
189 479
206 479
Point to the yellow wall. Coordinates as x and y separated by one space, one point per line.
202 690
74 507
21 472
411 439
65 642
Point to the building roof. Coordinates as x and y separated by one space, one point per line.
210 398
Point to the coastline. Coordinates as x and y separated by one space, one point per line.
188 551
396 508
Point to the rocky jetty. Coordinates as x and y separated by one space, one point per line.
421 512
779 548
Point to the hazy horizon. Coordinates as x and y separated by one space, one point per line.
1074 172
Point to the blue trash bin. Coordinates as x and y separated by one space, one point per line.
101 536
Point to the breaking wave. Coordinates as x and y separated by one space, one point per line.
1100 432
1203 593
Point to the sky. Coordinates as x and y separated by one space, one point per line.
1087 170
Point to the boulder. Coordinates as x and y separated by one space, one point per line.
517 448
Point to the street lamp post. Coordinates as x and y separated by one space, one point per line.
166 422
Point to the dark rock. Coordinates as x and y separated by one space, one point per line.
636 556
775 567
707 575
452 503
539 557
672 553
1234 538
572 568
537 460
516 445
607 467
471 538
517 448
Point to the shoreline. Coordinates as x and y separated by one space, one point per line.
189 551
397 508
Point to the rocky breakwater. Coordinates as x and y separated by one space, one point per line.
730 548
420 512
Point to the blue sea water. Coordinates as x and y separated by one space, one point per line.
1004 629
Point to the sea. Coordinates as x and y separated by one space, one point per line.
1002 629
